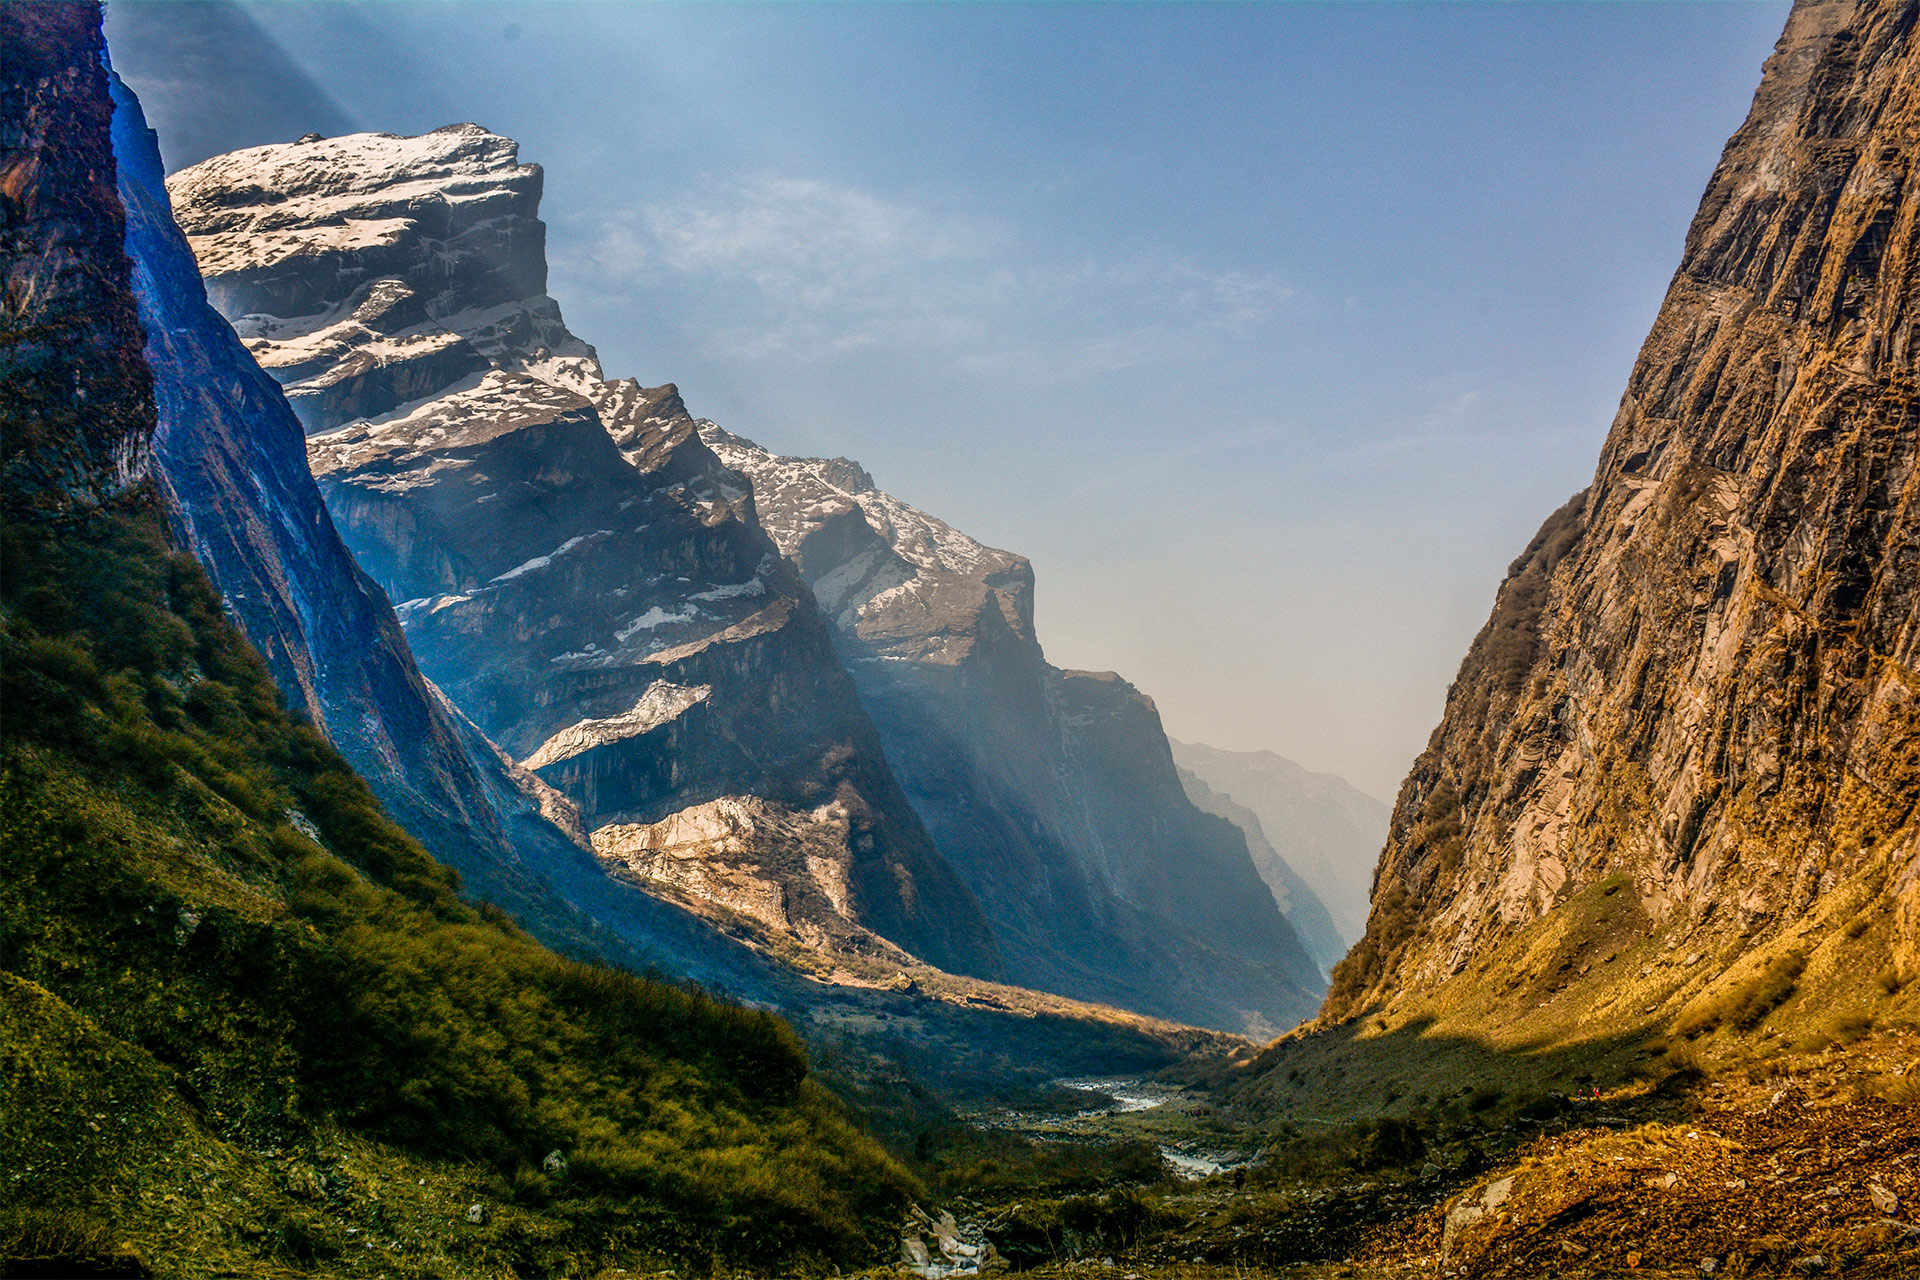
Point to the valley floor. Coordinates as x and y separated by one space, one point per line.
1801 1164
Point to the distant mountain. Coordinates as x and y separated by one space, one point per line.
1295 897
1326 830
621 628
1052 792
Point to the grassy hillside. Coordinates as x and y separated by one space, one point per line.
249 1026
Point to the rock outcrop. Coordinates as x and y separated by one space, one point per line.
73 389
1323 828
1052 792
1701 678
575 569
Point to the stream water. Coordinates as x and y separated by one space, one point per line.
1131 1096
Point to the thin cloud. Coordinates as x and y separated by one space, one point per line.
790 265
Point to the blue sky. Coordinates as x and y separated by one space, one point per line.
1270 332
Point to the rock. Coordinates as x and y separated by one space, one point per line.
1709 1265
1461 1216
1052 791
1644 705
1810 1263
1884 1201
577 571
476 1214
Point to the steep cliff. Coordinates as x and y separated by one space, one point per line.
76 391
1699 681
577 571
1052 792
246 1023
233 469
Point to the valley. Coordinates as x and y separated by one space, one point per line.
465 815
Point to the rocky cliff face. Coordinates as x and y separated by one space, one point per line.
1053 792
232 469
575 568
1700 679
73 389
1323 828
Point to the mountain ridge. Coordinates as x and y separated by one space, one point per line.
1052 791
631 631
1696 681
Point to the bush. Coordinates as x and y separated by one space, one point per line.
1390 1143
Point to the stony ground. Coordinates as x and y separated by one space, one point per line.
1797 1164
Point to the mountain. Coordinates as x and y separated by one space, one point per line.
1675 782
247 1026
230 461
1326 830
623 630
232 469
1297 901
1052 792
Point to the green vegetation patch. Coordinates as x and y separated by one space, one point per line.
240 1001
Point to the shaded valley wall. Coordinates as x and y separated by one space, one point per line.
1052 792
574 568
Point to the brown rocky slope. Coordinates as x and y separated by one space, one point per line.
1699 680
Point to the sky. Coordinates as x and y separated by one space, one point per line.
1269 332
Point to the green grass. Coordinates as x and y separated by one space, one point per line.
250 1025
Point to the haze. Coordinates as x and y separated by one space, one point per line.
1269 332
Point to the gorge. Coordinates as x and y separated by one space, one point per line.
464 814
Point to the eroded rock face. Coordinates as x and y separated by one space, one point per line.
1052 792
231 465
564 549
74 392
786 871
1701 674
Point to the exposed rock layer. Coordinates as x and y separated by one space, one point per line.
564 547
76 393
232 468
1702 673
1053 792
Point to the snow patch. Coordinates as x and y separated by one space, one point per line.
541 562
654 617
663 701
